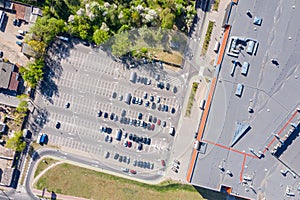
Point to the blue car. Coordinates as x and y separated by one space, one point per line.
19 43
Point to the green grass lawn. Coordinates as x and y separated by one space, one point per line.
191 100
46 162
76 181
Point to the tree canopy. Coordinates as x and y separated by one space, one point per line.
100 36
16 142
33 72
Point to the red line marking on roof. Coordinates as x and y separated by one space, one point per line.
243 167
280 131
230 149
208 104
222 49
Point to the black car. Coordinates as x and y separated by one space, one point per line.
85 43
57 125
133 100
108 130
168 86
112 115
134 138
140 116
151 98
164 123
20 37
145 165
150 118
120 158
144 140
116 156
148 142
130 136
173 110
105 115
140 139
154 119
67 105
99 113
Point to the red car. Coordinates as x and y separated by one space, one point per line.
163 163
158 122
152 127
132 171
129 144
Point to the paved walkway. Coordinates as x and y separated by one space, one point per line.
53 195
187 127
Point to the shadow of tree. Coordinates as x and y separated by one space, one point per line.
53 69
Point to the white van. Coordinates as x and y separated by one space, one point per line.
172 130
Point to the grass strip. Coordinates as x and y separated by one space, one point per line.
216 5
207 37
191 99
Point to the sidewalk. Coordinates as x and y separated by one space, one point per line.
53 195
217 32
187 127
217 17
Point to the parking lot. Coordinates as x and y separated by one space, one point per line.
91 106
8 39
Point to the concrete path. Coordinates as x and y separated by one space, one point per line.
53 195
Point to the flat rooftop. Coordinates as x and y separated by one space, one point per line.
252 167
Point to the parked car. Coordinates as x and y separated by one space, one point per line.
99 113
145 95
132 171
57 125
140 146
173 110
168 86
130 136
158 122
163 163
140 116
19 43
177 162
126 170
1 54
67 105
147 103
105 115
20 37
148 142
164 124
116 156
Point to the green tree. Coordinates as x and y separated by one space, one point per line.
121 44
33 72
168 21
100 36
46 28
16 142
39 48
23 105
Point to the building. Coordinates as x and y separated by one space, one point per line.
9 78
26 13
